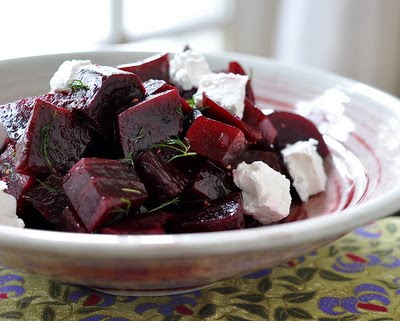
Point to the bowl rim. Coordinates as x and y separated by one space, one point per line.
212 243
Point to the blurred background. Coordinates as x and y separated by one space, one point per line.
359 38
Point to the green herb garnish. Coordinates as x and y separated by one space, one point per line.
181 146
139 135
123 211
131 190
179 112
191 102
174 201
45 144
47 186
76 84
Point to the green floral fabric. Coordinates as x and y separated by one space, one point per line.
354 278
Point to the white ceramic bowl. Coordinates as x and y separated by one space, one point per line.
361 126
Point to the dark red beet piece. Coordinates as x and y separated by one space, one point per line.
211 182
48 197
155 67
186 109
70 222
149 122
162 181
292 128
223 214
109 91
255 118
15 116
236 68
102 189
270 158
217 112
156 86
217 141
54 140
145 223
18 184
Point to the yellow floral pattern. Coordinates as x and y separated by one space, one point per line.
354 278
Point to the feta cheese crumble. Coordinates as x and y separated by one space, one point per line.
8 208
266 192
67 72
185 69
306 168
227 90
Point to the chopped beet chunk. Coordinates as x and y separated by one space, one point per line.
146 223
54 140
270 158
156 86
236 68
292 128
15 116
223 214
102 189
155 67
102 92
149 122
255 118
215 140
48 197
211 182
17 184
70 222
212 110
162 180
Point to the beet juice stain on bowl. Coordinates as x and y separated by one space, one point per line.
175 148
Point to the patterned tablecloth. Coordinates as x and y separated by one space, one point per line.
355 278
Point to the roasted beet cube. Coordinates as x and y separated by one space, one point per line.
292 128
223 214
236 68
213 110
48 197
217 141
53 141
99 93
102 189
211 182
156 86
149 122
17 184
155 67
256 119
15 116
70 222
270 158
145 223
162 181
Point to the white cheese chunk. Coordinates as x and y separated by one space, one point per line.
227 90
266 192
3 136
67 72
185 69
306 168
8 208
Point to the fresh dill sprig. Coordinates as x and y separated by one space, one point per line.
128 160
131 190
179 112
45 144
123 211
76 84
174 201
191 102
177 144
46 186
139 135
